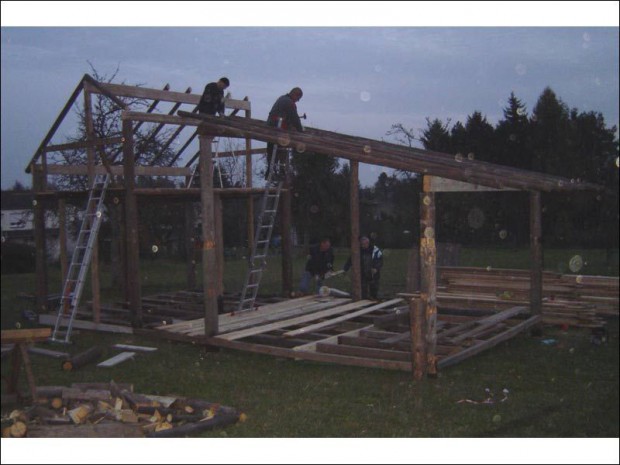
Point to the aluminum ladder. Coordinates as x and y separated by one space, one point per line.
262 237
80 261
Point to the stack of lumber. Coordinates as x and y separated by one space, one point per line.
567 299
113 410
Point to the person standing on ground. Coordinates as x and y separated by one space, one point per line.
371 261
320 261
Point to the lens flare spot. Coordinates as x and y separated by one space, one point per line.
365 96
575 264
458 157
367 149
503 234
155 249
521 69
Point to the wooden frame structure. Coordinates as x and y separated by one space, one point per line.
441 173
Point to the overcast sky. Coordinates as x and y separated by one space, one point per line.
356 80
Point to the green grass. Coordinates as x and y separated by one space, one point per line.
569 389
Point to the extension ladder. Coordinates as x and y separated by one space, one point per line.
76 274
262 238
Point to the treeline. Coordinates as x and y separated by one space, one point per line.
552 139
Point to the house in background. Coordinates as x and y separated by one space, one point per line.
18 217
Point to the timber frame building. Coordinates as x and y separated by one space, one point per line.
441 173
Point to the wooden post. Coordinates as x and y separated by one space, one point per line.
62 238
219 244
417 320
428 271
133 289
248 184
190 245
536 253
38 184
209 259
285 225
94 258
354 205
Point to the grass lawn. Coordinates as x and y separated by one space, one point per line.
565 390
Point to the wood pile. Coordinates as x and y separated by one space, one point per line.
567 299
113 410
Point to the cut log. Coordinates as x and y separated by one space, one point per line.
220 420
101 430
137 401
69 394
105 386
80 414
56 402
18 429
77 361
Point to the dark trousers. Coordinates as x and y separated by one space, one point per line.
370 287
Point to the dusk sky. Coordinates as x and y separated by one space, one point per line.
356 80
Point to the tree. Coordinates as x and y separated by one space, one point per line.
436 136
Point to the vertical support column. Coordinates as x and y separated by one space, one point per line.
248 184
209 259
536 253
190 245
38 184
354 205
133 291
219 244
62 239
285 225
94 257
428 271
417 319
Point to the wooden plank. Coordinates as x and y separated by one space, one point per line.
15 336
311 346
536 253
47 319
48 353
134 348
119 358
293 321
488 322
479 347
333 321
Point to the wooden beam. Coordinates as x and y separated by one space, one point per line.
354 206
59 119
62 239
121 90
49 319
286 221
428 264
310 355
536 253
190 244
438 184
417 317
219 243
133 286
95 86
40 242
248 180
15 336
117 170
209 259
90 156
84 144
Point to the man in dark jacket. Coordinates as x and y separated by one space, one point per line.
285 109
212 100
320 261
371 261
